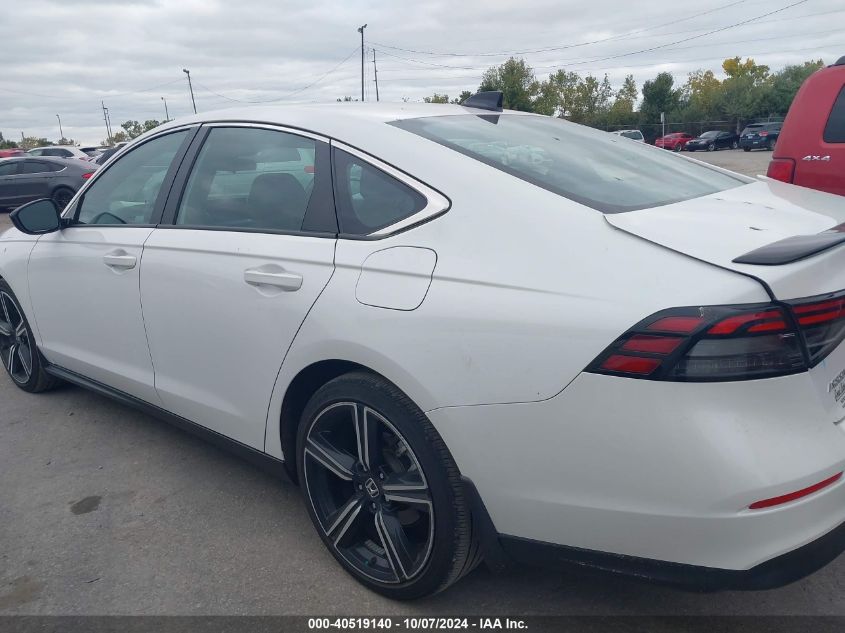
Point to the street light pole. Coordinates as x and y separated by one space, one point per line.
191 88
375 72
61 134
361 31
166 114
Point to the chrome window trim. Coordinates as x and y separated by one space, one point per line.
268 126
436 203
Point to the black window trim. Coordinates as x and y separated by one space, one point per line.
180 182
71 213
436 203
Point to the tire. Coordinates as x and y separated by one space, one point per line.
398 490
18 351
61 196
734 145
679 147
711 147
771 144
746 149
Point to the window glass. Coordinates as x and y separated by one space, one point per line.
834 131
573 161
250 178
634 135
126 192
7 169
37 167
368 198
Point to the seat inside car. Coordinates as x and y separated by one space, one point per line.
276 201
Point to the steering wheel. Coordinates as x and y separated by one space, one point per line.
96 218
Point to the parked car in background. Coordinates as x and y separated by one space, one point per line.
713 140
91 151
674 141
634 135
105 155
759 135
811 148
59 151
24 179
9 153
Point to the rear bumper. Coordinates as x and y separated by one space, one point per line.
777 572
660 476
755 143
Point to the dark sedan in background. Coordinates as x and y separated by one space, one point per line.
713 140
29 178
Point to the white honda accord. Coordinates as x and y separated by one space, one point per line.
467 333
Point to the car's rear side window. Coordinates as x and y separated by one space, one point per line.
369 199
834 131
579 163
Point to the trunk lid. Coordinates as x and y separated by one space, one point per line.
724 226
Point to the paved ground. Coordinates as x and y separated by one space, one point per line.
751 163
104 510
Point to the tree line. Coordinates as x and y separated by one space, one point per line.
131 129
748 91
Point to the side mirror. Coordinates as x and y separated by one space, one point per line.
37 218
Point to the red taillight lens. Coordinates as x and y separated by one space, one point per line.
782 169
764 133
721 343
86 176
822 324
706 344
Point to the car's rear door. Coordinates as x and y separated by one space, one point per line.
34 179
8 186
246 247
84 279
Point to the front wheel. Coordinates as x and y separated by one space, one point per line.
62 196
18 351
711 147
678 147
382 489
746 149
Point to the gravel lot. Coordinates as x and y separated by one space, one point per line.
104 510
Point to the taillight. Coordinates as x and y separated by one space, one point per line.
721 343
782 169
87 175
822 324
763 133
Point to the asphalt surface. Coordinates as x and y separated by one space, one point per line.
104 510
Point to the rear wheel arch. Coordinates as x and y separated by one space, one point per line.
304 385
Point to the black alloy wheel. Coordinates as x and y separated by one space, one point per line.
382 490
18 349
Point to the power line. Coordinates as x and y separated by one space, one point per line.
563 46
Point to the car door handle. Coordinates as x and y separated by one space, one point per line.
115 260
284 280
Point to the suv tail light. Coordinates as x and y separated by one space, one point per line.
722 343
782 169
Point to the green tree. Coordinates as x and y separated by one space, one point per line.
436 98
29 142
703 94
132 129
592 100
6 144
516 80
557 94
659 95
465 94
622 110
149 124
785 83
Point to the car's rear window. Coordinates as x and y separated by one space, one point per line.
590 167
834 131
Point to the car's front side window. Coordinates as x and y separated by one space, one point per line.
250 179
127 191
8 169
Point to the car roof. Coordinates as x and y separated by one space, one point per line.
46 159
353 122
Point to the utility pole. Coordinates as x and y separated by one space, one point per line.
361 31
191 87
166 114
375 72
61 134
106 119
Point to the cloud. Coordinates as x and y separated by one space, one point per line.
66 56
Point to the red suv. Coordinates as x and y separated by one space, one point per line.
811 149
674 141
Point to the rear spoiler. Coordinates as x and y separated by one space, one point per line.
794 248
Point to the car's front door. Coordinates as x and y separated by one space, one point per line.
84 279
9 195
227 285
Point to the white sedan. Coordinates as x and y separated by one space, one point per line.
467 333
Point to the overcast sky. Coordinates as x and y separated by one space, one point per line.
65 56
